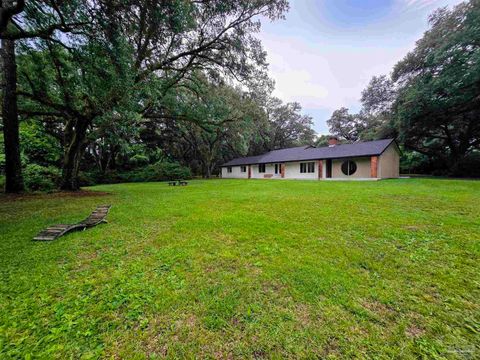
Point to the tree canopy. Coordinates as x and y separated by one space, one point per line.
120 85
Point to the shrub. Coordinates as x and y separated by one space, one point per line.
2 183
138 160
468 167
159 171
164 171
41 178
88 178
38 146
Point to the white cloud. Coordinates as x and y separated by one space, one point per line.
323 76
323 66
416 5
421 3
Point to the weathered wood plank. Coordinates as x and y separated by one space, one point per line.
55 231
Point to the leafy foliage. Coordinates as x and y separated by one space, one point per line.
41 178
38 146
159 171
437 109
345 125
112 86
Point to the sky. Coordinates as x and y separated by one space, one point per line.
326 51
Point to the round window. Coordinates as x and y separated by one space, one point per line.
349 167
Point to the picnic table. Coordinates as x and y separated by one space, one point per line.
178 182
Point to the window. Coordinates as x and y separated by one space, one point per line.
278 168
307 167
349 167
261 168
229 169
243 168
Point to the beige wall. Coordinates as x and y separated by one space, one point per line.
292 171
269 170
235 174
389 163
363 168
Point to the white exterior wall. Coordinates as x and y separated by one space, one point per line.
269 170
235 174
292 171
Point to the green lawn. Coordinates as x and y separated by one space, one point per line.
236 268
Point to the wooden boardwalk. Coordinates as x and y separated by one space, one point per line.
55 231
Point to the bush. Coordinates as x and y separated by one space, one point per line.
88 178
469 166
162 171
412 162
41 178
138 160
38 146
2 183
159 171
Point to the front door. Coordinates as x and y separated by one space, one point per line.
329 169
278 169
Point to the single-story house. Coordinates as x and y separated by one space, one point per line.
371 160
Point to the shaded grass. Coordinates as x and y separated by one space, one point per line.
234 268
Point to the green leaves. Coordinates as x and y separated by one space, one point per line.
438 99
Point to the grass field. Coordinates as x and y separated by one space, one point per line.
255 269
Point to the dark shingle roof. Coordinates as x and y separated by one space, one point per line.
369 148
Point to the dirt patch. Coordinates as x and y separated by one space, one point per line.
303 315
378 308
187 322
414 331
53 195
330 349
412 228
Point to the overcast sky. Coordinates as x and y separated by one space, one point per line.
325 52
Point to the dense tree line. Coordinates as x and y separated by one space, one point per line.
431 100
108 87
119 90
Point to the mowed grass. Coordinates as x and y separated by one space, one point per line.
246 269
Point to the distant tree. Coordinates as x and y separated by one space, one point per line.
208 127
377 101
379 96
286 127
323 140
345 125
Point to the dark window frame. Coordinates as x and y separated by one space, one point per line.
307 167
349 167
243 168
229 169
261 168
278 168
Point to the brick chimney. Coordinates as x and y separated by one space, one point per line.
332 141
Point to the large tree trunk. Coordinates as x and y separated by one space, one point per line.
75 145
13 165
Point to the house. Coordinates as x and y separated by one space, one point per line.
371 160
